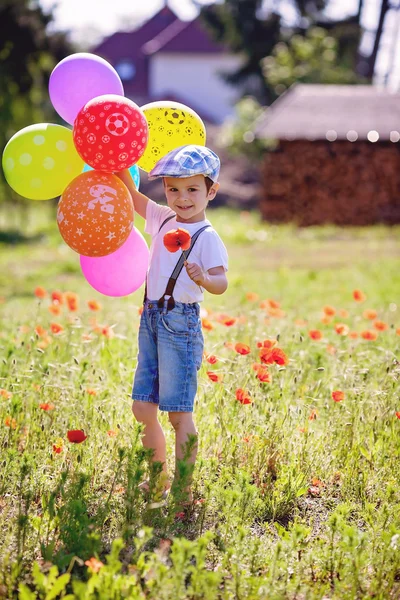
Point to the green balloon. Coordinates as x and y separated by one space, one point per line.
40 161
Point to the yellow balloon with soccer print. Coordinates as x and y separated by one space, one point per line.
39 161
171 125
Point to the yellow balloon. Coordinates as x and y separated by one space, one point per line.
171 125
40 161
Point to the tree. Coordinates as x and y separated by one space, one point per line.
312 58
246 28
28 54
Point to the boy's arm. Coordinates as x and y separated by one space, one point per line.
214 280
139 200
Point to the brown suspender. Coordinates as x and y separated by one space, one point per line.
167 301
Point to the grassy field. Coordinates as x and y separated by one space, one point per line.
296 486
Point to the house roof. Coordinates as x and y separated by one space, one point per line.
320 112
183 36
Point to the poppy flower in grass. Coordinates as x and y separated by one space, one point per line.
252 296
57 297
243 396
273 355
58 446
369 335
359 296
94 564
242 348
397 413
315 334
329 311
5 394
72 300
380 325
331 349
46 406
267 344
353 335
342 328
337 396
40 331
177 238
94 305
211 358
55 309
215 377
76 436
369 313
56 328
398 331
10 422
206 324
264 375
40 292
228 321
313 415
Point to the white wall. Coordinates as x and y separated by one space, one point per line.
195 81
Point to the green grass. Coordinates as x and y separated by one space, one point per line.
294 507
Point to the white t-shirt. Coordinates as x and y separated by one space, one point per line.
208 252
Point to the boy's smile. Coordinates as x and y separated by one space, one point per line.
188 197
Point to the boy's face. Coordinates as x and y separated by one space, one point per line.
188 197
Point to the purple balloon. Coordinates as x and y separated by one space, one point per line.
122 272
79 78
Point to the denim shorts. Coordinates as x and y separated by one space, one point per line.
170 354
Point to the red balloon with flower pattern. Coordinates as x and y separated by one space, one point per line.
110 133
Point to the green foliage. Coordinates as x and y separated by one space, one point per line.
312 58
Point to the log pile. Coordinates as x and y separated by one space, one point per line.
341 182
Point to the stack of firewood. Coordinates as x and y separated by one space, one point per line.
345 183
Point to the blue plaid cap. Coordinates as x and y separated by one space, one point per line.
186 161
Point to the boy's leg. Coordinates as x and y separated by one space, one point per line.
146 413
184 425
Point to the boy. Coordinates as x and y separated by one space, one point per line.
170 337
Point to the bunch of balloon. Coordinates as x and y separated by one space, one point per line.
95 213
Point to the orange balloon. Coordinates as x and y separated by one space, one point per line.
95 213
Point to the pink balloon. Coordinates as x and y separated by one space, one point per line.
122 272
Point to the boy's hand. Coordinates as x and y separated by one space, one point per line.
195 273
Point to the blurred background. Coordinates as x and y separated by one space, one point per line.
300 98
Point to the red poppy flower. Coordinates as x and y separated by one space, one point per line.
40 292
56 328
76 436
211 358
273 355
243 396
242 348
370 313
329 311
214 376
94 305
397 413
359 296
380 325
315 334
57 297
46 406
266 344
369 334
337 396
342 328
177 238
264 375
